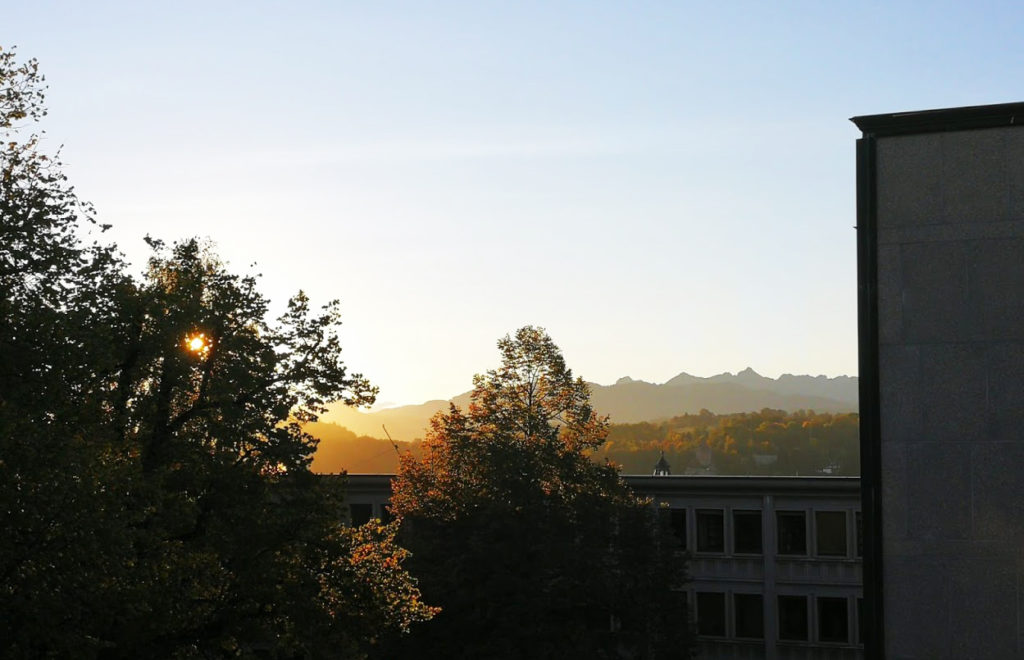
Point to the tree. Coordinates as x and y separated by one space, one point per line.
155 489
530 548
58 476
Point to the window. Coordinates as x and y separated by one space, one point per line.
710 531
746 530
677 519
749 612
711 614
360 514
793 618
860 534
792 532
833 624
830 527
385 514
598 619
860 618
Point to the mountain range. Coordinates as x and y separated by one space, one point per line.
629 401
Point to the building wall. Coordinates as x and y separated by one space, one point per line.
723 563
811 572
948 201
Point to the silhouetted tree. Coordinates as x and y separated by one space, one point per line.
530 548
155 494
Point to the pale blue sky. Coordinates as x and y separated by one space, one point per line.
665 186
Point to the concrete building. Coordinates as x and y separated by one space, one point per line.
940 219
774 561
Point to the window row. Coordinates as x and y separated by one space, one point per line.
361 513
832 620
830 532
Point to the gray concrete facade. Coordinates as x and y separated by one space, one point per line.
812 575
815 576
948 206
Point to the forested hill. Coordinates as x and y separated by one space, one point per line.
631 401
769 442
341 450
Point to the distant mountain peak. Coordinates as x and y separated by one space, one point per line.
747 376
626 380
682 378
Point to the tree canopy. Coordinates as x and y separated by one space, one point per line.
530 548
155 490
766 442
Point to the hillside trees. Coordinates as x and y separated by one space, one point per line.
154 485
764 442
531 549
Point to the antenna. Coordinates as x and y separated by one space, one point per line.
393 443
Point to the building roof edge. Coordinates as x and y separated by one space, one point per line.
941 120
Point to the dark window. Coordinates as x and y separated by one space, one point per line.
831 533
860 618
793 618
711 614
385 514
746 529
360 513
677 518
597 619
833 625
749 611
792 532
860 535
710 531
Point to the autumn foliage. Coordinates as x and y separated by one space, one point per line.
529 547
767 442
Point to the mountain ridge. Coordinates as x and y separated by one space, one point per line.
629 401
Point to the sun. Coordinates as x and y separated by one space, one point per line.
197 343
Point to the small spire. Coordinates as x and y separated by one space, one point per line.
662 468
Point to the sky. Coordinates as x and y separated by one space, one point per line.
664 186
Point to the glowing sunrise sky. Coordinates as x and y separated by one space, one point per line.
664 186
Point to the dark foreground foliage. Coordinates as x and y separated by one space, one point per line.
155 493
